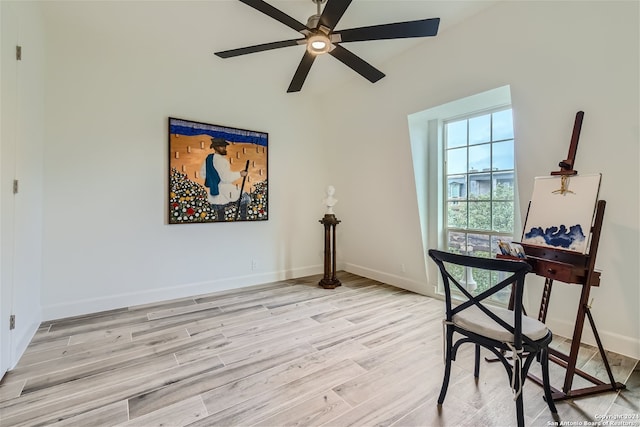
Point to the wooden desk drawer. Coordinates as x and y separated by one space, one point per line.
557 271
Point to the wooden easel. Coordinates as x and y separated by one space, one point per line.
572 267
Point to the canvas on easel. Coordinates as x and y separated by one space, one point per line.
561 212
560 239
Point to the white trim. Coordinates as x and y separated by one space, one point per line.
24 341
611 341
390 279
110 302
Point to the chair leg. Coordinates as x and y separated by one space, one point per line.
546 386
476 370
518 382
520 410
447 365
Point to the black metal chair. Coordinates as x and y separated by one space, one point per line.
497 329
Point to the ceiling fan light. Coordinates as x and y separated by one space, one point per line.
318 44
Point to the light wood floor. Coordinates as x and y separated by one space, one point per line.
286 353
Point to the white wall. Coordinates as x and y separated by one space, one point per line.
106 241
558 58
21 146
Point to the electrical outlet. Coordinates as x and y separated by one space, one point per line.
403 268
254 264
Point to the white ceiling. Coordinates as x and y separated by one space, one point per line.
209 26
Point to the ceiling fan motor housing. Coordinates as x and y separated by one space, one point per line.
320 37
313 21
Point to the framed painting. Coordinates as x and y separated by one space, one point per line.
561 212
216 173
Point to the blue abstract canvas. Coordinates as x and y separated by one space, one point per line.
560 214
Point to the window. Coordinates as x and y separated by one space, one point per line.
464 168
479 196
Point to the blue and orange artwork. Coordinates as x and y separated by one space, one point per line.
198 150
572 238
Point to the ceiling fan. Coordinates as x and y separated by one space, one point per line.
320 37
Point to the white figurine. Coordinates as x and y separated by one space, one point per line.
330 201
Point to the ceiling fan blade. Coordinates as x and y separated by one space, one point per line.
398 30
332 12
301 73
356 63
258 48
276 14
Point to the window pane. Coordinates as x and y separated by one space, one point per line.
480 186
457 187
457 271
456 134
480 129
479 245
457 161
456 242
478 280
480 215
503 217
503 155
504 294
480 158
457 214
503 186
502 125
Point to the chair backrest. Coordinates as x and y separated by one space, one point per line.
516 271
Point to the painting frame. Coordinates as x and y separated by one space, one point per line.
216 173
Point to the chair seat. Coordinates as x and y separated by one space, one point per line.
474 320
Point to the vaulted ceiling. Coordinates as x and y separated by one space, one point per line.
204 27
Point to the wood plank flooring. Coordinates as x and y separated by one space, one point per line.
282 354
